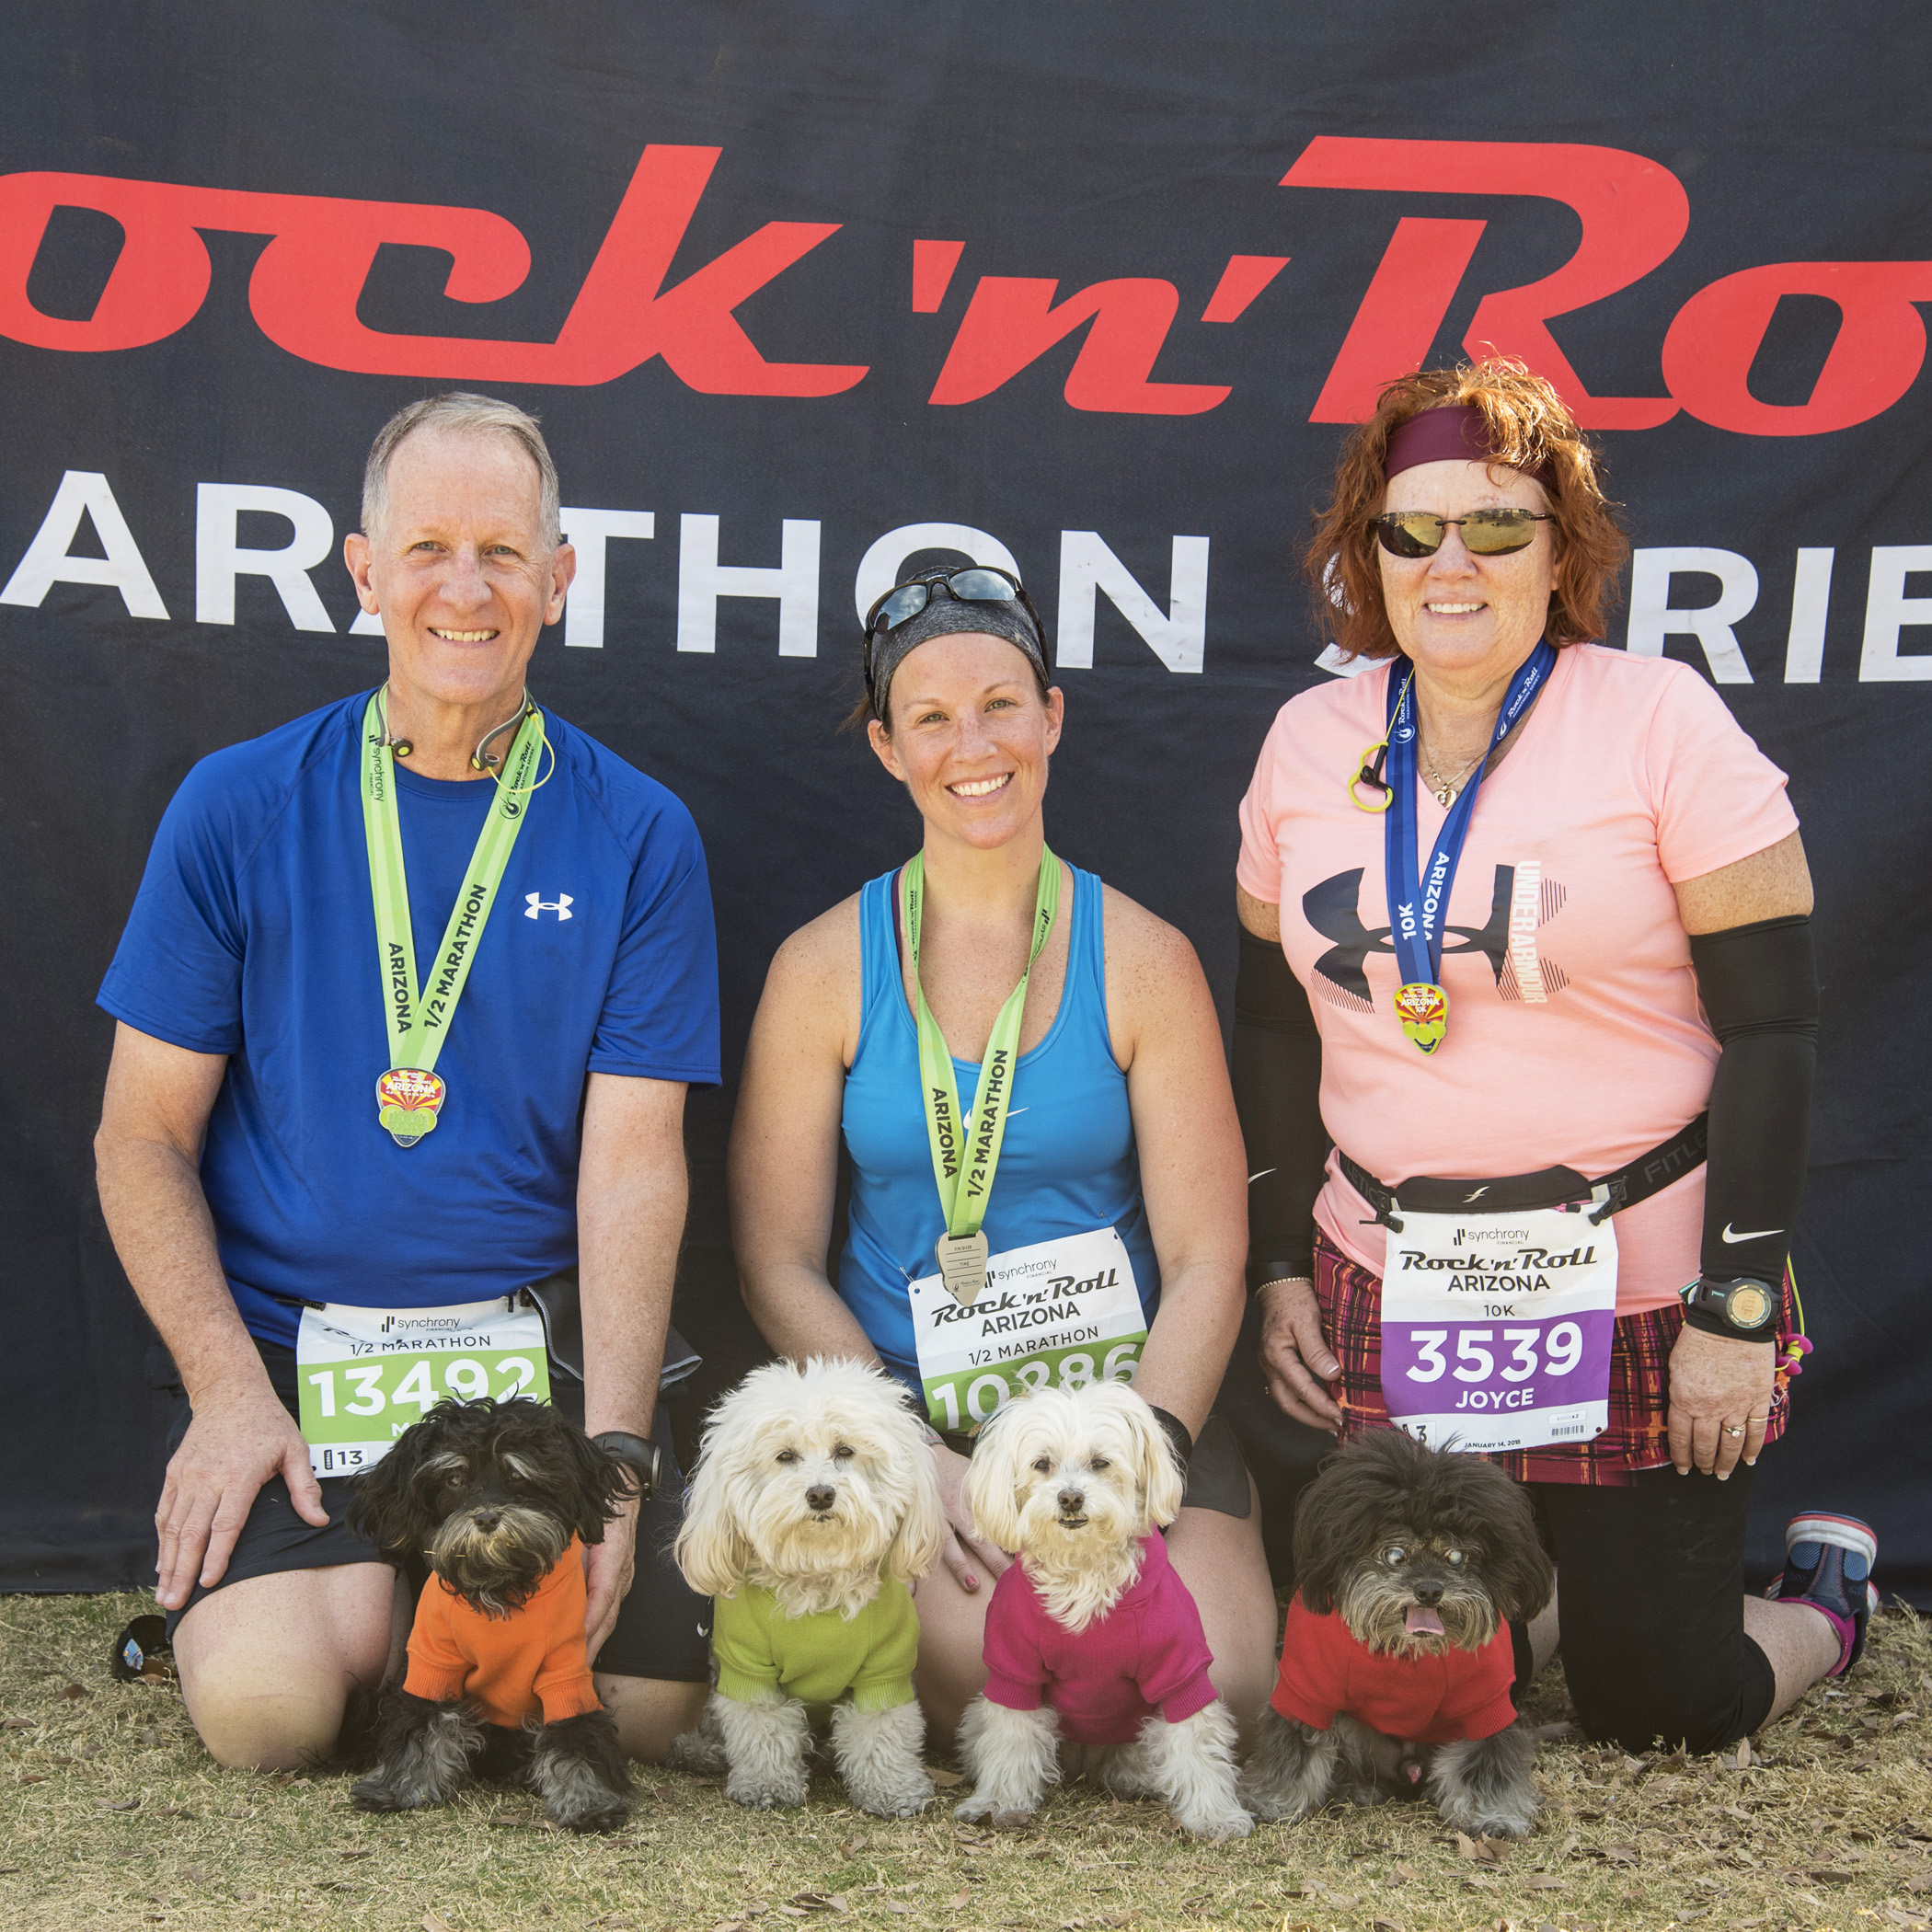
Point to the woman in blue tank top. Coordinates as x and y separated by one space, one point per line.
1115 1225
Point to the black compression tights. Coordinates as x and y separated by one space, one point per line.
1650 1593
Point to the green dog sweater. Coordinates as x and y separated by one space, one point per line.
817 1659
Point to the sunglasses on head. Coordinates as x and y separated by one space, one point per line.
1486 533
980 584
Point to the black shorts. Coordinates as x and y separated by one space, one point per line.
663 1626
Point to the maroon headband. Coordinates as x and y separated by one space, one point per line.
1453 433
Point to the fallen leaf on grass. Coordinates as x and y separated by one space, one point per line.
354 1851
1485 1851
1386 1924
6 1872
1543 1881
944 1779
819 1902
729 1925
31 1777
435 1921
1477 1881
959 1899
116 1804
18 1724
1342 1901
1402 1875
852 1847
76 1690
1865 1763
1621 1854
899 1905
1832 1877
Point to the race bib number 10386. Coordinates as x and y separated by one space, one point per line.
365 1374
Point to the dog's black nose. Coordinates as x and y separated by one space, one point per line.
1071 1501
488 1519
820 1496
1429 1594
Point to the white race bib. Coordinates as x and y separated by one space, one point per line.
365 1374
1495 1329
1063 1313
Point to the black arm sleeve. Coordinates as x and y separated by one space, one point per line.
1759 985
1277 1076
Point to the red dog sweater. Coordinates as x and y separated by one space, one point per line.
1423 1700
1104 1681
534 1660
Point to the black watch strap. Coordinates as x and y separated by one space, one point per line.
643 1455
1744 1308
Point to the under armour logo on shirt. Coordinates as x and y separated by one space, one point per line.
534 903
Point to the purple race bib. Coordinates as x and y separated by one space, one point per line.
1495 1329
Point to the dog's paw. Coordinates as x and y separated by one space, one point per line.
377 1794
696 1753
1214 1826
610 1815
766 1794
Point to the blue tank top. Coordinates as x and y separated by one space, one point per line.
1068 1163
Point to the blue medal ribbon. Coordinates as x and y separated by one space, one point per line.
1419 902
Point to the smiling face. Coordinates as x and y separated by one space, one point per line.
460 568
1457 615
971 737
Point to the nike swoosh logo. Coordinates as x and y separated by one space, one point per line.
1749 1234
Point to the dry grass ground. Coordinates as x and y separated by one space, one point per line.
111 1815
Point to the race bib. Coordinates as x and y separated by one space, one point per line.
1496 1330
365 1374
1059 1314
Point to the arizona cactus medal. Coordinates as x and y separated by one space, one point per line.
1419 903
409 1094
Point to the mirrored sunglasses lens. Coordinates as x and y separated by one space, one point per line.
907 601
1495 532
981 587
1411 533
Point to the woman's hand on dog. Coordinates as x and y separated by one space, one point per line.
1717 1383
239 1439
962 1546
1295 1357
608 1568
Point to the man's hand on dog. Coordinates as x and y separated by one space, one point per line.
237 1440
1294 1353
608 1568
966 1553
1719 1383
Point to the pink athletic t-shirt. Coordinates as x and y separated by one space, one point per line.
1575 1036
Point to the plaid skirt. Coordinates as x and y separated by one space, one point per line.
1636 1438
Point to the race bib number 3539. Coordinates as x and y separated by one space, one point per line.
1059 1314
365 1374
1496 1328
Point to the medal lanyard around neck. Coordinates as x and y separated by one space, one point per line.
417 1016
965 1171
1419 903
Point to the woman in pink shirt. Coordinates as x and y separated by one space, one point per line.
1524 1081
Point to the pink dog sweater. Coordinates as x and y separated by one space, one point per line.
1148 1651
1422 1700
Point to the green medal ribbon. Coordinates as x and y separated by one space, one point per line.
966 1155
409 1095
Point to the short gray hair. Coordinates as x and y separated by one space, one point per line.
463 412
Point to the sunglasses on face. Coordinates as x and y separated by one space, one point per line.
980 584
1486 533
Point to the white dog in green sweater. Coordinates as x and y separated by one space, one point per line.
813 1505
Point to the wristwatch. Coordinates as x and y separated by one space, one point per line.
1744 1307
643 1457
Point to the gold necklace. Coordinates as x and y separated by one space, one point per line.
1444 789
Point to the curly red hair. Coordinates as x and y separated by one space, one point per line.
1530 429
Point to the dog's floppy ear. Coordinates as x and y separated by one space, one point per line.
1156 1473
599 1484
392 1504
711 1550
922 1530
1344 1510
1517 1569
992 1478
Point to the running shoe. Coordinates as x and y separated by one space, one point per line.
1828 1564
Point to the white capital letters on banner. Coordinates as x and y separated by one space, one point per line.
219 559
1177 637
702 580
1652 620
879 569
47 562
1888 611
588 531
1811 604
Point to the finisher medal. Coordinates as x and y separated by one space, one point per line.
1419 902
410 1095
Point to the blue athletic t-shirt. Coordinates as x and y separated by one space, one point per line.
254 935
